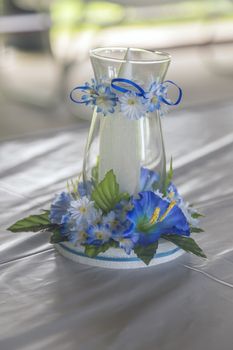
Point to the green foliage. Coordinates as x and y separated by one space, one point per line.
169 177
32 223
146 253
72 187
107 194
95 172
92 251
56 236
196 230
186 243
197 215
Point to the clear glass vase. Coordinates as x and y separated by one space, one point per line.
117 143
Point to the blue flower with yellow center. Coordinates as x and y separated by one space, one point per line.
153 216
98 234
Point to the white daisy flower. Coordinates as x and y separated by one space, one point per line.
83 211
132 106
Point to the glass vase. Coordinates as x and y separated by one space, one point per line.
115 142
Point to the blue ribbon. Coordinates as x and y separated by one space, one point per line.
180 94
140 92
83 88
115 86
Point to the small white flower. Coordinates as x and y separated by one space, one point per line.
83 211
132 106
188 211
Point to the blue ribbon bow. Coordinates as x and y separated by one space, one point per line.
140 92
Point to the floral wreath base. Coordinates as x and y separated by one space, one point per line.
94 223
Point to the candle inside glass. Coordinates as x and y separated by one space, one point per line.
120 143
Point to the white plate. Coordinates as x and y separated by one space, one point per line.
116 258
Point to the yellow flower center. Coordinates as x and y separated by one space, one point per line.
154 99
83 210
155 216
83 235
114 223
171 205
131 101
99 235
171 194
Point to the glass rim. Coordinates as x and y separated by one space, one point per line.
99 53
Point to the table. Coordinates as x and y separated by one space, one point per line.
48 302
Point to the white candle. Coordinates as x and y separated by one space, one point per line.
120 144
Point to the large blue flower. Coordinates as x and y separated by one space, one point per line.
59 207
153 216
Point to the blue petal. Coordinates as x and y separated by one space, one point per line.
147 179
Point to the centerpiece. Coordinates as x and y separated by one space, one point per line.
124 211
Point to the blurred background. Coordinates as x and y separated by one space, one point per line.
44 52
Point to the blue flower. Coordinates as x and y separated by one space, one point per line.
105 100
173 195
155 97
153 216
121 210
188 212
59 207
148 178
132 106
75 233
84 189
100 96
127 241
112 221
98 234
83 212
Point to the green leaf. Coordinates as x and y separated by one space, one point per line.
95 172
169 177
197 215
56 236
32 223
196 230
186 243
92 251
146 253
107 194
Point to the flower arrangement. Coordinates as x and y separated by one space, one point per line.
133 101
97 216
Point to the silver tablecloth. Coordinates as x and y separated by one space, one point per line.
50 303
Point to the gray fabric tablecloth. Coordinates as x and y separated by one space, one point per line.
48 302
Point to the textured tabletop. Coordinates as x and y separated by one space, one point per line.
48 302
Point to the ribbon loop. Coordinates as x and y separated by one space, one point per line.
180 94
114 84
81 88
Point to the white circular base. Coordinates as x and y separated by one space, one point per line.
116 258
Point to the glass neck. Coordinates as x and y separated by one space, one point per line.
139 65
